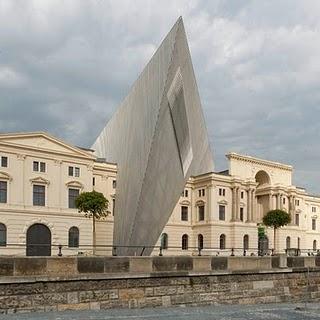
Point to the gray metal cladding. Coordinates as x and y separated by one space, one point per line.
158 139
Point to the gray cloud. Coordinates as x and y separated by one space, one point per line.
66 65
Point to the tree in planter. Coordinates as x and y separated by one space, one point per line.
95 205
276 219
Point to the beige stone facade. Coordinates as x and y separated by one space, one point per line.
40 176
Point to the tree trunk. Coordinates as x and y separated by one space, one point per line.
274 240
93 234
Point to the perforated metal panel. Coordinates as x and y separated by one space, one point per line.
158 139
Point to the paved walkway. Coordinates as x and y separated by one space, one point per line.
269 312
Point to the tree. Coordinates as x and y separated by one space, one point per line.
276 219
95 205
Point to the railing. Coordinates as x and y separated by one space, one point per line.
63 249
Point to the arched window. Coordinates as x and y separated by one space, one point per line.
314 245
245 242
164 241
200 241
222 241
73 237
3 235
298 243
288 243
185 242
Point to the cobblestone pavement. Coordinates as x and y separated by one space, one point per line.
269 312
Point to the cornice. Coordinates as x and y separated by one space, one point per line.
253 160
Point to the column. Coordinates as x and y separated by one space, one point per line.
253 213
233 204
249 205
238 204
278 201
271 201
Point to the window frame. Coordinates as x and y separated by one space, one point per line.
73 242
185 242
41 203
4 232
72 202
4 161
184 213
222 212
201 212
2 190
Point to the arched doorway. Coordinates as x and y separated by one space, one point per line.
38 240
262 193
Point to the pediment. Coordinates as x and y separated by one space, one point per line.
42 141
39 180
200 203
5 176
185 202
75 184
223 202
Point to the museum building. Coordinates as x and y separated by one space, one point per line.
40 177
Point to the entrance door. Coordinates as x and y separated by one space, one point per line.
38 240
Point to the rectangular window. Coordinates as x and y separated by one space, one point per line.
73 194
36 166
42 167
77 172
284 200
39 195
199 192
70 171
184 213
3 191
314 224
114 184
4 162
297 219
203 192
241 214
39 166
113 206
186 193
297 202
222 192
93 181
314 209
242 194
201 213
222 212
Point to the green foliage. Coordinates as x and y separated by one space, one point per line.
261 231
276 218
93 204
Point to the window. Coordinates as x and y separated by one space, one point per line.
39 166
73 195
297 219
77 172
314 224
297 202
74 171
184 193
114 184
222 242
200 241
184 213
288 243
201 212
164 241
113 206
283 200
3 191
246 242
93 181
298 243
222 212
314 245
3 235
314 209
222 192
241 214
39 195
242 194
4 162
184 242
203 192
73 237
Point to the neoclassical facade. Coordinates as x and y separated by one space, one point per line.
40 177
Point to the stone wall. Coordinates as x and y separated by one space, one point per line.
87 283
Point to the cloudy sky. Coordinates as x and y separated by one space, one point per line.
66 65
